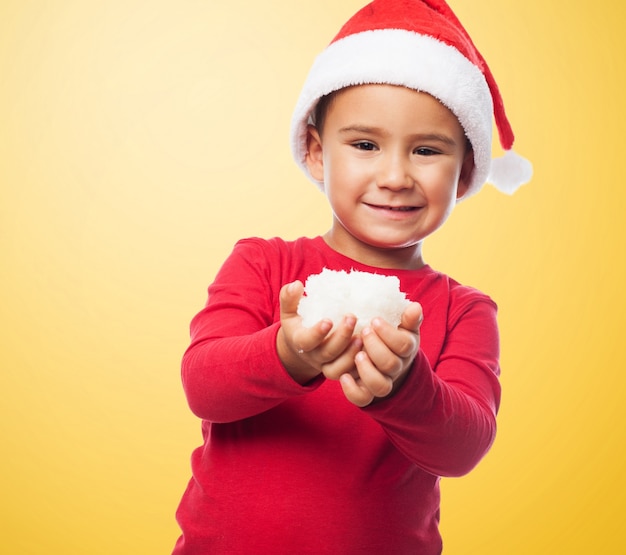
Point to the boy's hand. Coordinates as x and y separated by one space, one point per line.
307 352
386 357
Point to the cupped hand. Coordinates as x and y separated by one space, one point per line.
385 359
307 352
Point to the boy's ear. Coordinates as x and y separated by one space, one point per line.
466 174
314 154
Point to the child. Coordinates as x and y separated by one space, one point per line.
325 441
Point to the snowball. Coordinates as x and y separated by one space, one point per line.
333 294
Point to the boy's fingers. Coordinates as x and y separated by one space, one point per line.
376 382
402 341
341 336
328 345
380 342
355 392
307 339
344 362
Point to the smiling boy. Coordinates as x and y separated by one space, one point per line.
394 162
319 440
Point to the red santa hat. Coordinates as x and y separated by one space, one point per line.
419 44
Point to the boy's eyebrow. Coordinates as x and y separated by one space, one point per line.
361 129
379 131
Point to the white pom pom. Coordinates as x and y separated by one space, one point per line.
510 172
333 294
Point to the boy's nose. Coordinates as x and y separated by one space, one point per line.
394 173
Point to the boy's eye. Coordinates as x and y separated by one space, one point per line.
424 151
364 145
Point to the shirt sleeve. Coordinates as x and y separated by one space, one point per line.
231 369
444 418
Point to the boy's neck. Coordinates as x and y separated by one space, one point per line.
404 258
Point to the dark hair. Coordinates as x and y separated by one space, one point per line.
321 109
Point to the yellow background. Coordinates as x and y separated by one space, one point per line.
139 140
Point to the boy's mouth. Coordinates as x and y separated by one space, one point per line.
400 208
394 208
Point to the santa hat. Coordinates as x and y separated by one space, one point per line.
419 44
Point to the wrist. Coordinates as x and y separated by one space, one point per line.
292 361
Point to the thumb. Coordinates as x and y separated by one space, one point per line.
412 317
290 295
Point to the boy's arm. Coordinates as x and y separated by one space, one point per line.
231 369
444 419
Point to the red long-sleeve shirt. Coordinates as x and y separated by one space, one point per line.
286 468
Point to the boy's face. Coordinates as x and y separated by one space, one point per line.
393 162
